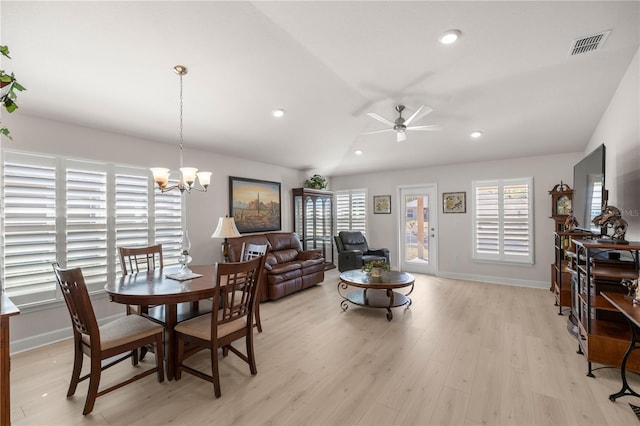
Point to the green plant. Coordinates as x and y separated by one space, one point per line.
8 87
316 182
382 264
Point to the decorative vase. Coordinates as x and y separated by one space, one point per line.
375 272
185 258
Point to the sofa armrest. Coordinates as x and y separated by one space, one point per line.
309 254
349 259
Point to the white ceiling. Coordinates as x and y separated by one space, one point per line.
109 65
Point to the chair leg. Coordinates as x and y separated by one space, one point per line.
214 372
250 355
78 357
94 382
257 315
179 356
160 358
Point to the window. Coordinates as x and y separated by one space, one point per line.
351 210
78 213
503 220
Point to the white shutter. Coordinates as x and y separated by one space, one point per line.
502 220
29 225
351 210
168 223
86 221
131 210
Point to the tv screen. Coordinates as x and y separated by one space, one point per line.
589 194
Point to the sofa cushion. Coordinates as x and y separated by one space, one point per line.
286 255
284 240
281 268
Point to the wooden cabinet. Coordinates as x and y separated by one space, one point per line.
562 267
603 333
313 221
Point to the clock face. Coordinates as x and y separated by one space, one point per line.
563 205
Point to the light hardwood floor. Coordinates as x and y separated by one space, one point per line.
465 353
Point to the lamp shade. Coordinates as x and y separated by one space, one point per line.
226 228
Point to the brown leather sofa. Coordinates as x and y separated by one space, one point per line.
288 268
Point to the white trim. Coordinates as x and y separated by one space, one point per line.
496 280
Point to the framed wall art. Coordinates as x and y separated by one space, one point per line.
255 204
382 204
454 202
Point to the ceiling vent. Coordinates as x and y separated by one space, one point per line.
588 43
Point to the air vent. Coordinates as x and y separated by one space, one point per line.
588 43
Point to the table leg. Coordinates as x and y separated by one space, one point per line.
626 389
5 403
390 296
171 318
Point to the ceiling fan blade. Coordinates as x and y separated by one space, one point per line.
402 136
421 112
426 128
377 131
413 116
381 119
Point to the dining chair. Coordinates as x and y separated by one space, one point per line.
99 343
231 320
136 259
249 252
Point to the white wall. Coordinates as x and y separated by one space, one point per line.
203 209
455 230
619 130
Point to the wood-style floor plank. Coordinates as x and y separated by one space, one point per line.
464 353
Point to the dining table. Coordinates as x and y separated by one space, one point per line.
172 300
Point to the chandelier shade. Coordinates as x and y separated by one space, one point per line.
190 178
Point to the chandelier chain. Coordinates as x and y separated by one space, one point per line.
181 139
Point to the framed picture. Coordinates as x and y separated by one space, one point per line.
255 204
454 202
382 204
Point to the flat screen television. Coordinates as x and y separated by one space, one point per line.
589 193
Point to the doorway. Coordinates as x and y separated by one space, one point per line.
418 229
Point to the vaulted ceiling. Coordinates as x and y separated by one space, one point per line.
109 65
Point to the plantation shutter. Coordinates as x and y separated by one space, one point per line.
168 223
29 222
502 219
132 210
351 210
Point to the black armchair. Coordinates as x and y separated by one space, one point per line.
353 251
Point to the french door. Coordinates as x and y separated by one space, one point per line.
418 229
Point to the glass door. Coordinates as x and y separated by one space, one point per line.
418 226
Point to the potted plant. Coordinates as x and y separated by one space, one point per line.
8 88
375 268
316 182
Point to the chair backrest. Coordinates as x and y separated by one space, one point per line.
353 240
238 282
251 251
136 259
76 296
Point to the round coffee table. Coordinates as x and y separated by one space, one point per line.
375 292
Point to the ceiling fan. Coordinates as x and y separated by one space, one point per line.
401 125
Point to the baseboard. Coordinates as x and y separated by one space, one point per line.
496 280
33 342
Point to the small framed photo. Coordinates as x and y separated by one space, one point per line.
454 202
382 204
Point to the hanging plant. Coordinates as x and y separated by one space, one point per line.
316 182
8 88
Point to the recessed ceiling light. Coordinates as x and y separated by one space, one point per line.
476 134
278 113
358 151
449 36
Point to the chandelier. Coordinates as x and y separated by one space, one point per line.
190 178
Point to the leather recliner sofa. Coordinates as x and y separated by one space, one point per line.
288 268
353 251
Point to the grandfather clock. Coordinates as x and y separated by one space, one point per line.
561 198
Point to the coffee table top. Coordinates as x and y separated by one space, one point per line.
388 279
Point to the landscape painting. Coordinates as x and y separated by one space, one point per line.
255 204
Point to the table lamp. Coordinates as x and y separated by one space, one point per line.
226 229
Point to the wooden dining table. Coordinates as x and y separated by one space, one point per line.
168 296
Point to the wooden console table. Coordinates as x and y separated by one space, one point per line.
7 310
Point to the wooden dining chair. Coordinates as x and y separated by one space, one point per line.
249 252
136 259
231 320
99 343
